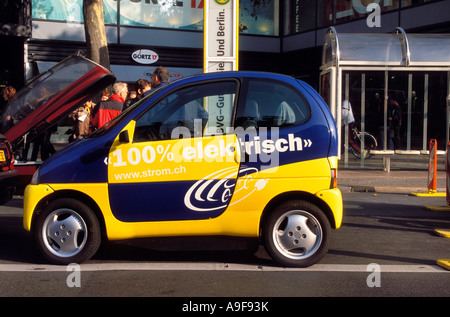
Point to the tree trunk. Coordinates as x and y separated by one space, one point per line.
94 29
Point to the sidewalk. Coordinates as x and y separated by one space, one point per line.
380 181
407 175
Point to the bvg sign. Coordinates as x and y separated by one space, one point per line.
144 56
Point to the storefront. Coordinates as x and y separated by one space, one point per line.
127 61
372 70
172 30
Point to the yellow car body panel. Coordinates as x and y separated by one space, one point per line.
242 216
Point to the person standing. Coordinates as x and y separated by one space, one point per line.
143 87
105 111
132 98
160 77
81 120
8 93
395 122
347 115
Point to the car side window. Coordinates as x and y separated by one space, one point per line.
271 104
194 111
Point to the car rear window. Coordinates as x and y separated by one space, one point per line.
272 104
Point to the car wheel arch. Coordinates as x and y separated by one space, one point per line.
82 197
295 195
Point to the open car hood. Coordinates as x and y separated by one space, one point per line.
52 95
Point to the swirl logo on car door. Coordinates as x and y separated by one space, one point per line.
213 192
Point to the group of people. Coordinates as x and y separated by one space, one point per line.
90 117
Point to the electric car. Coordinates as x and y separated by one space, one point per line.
245 154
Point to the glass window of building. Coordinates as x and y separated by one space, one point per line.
257 17
299 16
324 13
408 3
70 11
331 12
162 14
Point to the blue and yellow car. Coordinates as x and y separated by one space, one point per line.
243 154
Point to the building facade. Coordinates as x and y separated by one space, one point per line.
275 35
284 36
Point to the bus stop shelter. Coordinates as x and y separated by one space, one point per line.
368 70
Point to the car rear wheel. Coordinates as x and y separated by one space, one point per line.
68 231
297 234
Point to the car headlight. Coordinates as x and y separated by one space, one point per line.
35 178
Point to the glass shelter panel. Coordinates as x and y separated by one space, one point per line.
398 87
329 54
415 108
438 91
379 48
362 112
429 49
368 112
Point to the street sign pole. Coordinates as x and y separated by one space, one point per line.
220 35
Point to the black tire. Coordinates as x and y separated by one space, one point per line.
297 234
67 231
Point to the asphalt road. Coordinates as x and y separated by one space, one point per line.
386 247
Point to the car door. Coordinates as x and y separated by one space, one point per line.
178 160
52 96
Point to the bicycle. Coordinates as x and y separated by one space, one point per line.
355 140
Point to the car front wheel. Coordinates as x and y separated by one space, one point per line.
67 231
297 234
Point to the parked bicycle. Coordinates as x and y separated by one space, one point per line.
355 139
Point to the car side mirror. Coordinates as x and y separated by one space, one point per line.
124 137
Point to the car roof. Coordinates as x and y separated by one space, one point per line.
233 74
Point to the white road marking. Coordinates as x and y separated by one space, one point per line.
191 266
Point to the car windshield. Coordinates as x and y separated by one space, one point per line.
43 88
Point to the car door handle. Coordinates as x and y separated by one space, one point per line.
236 153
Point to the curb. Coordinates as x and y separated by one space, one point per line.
363 189
391 189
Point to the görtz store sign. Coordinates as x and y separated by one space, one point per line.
144 56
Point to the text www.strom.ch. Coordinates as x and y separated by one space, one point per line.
150 173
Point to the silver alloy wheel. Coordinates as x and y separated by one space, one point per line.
297 234
64 233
